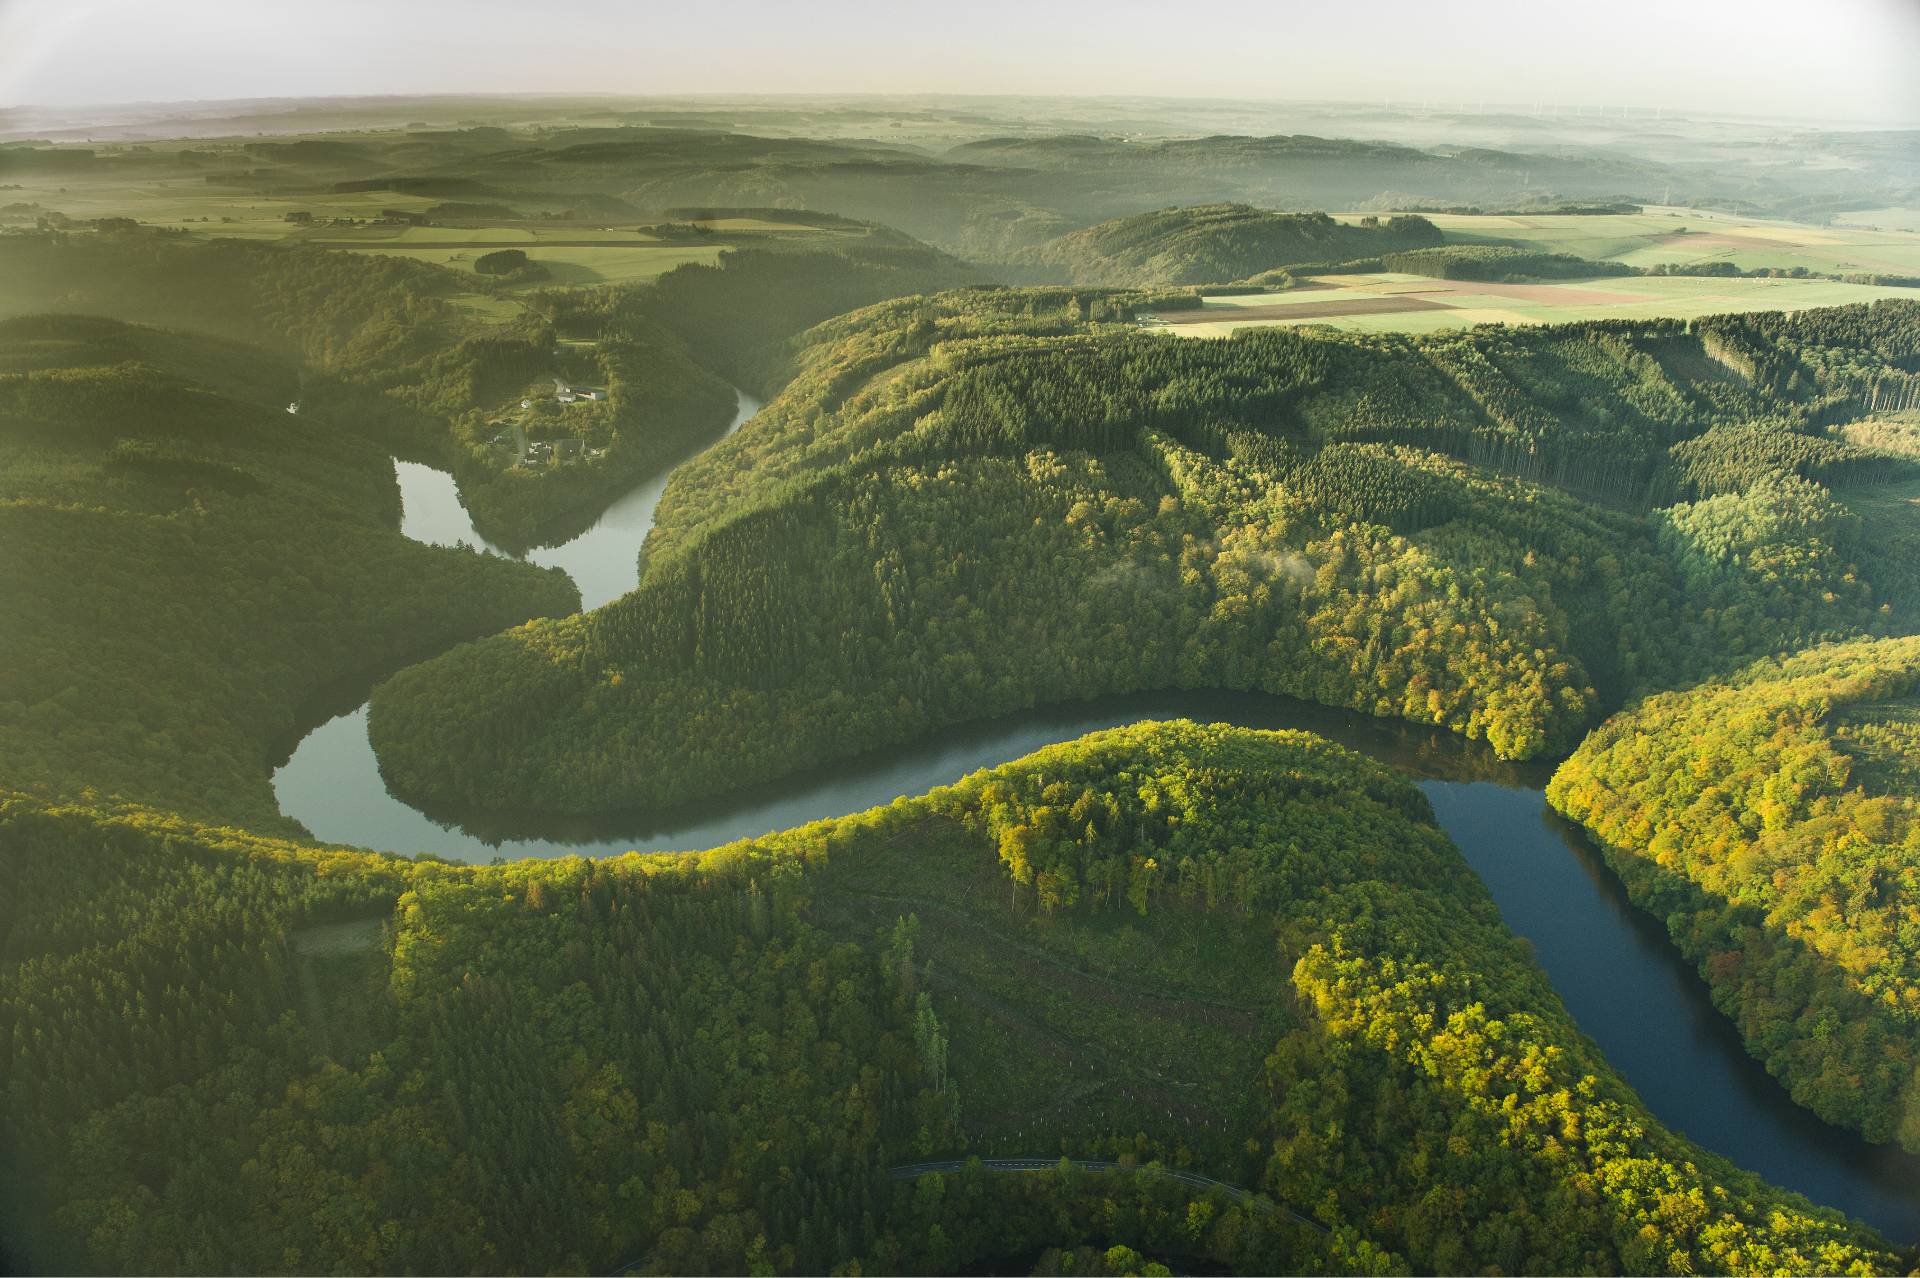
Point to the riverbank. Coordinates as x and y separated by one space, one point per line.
1625 984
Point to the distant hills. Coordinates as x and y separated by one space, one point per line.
1214 244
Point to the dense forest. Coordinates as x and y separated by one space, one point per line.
393 349
1235 989
1214 244
188 565
1770 820
236 1053
988 499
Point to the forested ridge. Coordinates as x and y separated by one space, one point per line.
236 1053
1214 244
389 347
1248 955
187 564
1771 821
988 197
971 503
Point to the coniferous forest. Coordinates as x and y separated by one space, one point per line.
323 426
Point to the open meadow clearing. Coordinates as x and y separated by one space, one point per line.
1394 303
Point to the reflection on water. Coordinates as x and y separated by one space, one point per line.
604 561
1633 994
333 785
1624 983
1622 980
430 509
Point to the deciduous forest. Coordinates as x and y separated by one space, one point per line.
1172 996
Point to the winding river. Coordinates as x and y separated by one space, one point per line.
1614 967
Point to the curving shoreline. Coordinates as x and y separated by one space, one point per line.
1623 981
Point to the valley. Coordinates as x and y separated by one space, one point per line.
778 698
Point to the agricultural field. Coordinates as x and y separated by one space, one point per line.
1886 241
1387 302
570 263
1897 218
575 250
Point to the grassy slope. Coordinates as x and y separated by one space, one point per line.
1655 235
1674 297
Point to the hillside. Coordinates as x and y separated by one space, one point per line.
367 905
188 565
1214 244
980 502
435 364
710 1062
1771 821
985 198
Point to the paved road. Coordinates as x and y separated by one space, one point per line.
909 1171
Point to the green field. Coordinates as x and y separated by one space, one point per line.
195 205
1375 303
1903 217
574 250
573 264
1886 242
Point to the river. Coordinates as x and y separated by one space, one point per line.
1621 978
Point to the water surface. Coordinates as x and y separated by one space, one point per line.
1626 985
604 561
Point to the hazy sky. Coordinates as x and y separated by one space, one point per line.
1834 59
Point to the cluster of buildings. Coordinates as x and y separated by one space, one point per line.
577 394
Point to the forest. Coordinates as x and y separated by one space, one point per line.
394 349
238 562
233 1052
1214 244
973 503
1230 1000
1770 820
989 198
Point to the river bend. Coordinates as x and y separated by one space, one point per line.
1618 974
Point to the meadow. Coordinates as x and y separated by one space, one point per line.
1900 217
574 250
1882 242
1396 303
